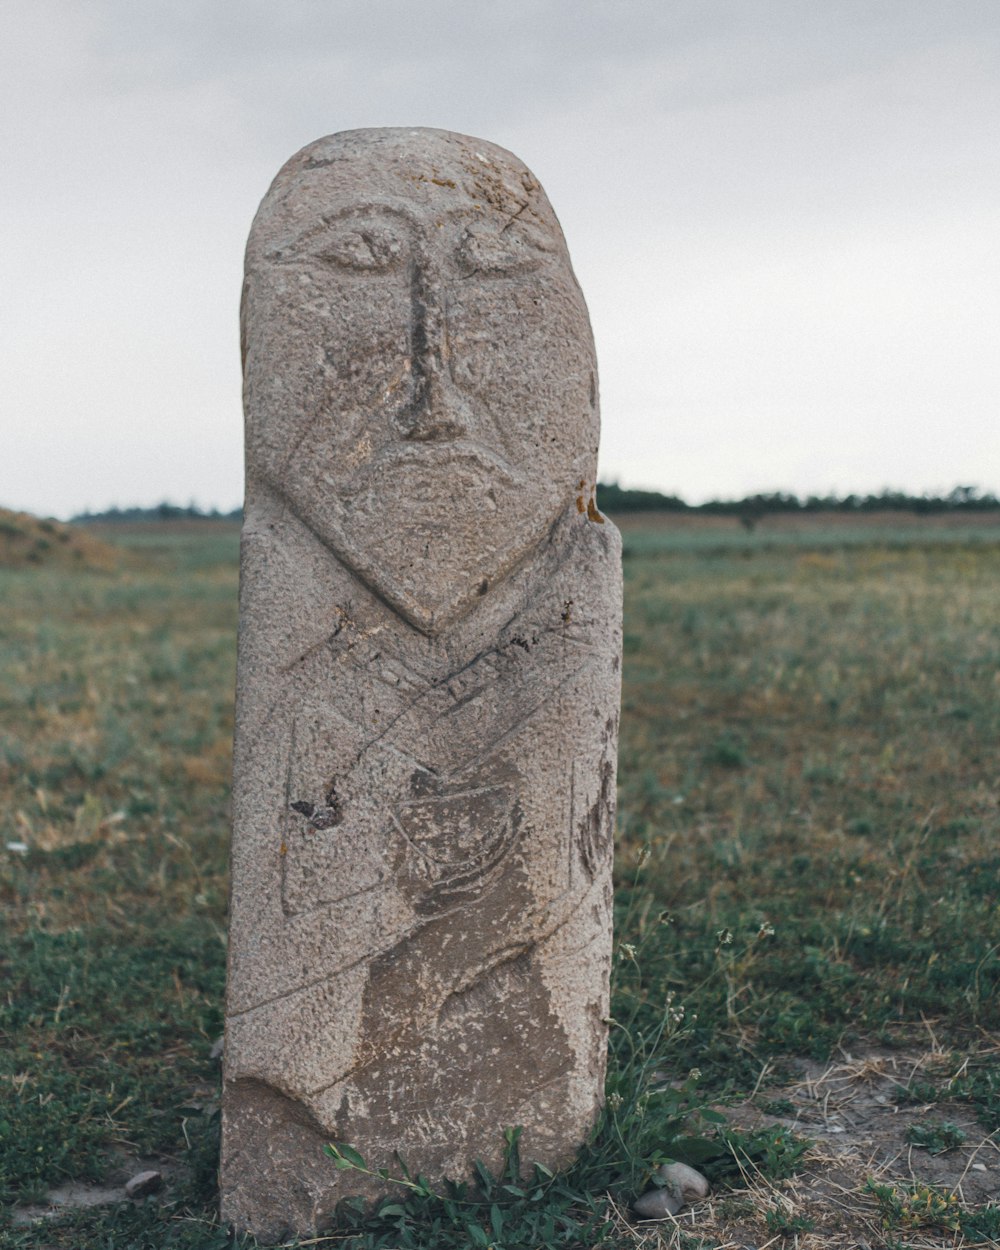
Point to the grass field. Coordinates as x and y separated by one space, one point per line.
809 867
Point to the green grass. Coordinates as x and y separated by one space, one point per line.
810 744
809 819
116 714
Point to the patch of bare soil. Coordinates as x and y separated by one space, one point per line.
850 1109
77 1195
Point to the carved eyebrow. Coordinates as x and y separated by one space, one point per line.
505 252
300 247
381 208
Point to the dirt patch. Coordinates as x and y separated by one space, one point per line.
76 1195
863 1136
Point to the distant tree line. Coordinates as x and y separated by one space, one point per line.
613 498
161 512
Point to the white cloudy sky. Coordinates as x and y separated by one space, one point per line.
784 215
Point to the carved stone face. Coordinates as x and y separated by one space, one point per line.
419 371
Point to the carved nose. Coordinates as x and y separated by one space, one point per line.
437 411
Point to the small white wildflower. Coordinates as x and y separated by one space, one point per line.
627 951
765 930
724 937
675 1014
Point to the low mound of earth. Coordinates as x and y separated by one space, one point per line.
28 541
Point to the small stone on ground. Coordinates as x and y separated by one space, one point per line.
677 1186
684 1182
656 1204
143 1183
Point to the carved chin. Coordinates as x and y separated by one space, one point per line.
431 533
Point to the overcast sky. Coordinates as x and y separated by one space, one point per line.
783 213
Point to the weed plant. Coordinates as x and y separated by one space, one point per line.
936 1136
808 856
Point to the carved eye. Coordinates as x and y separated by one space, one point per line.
365 248
511 251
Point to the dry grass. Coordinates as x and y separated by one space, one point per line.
27 541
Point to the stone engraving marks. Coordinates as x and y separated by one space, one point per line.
428 681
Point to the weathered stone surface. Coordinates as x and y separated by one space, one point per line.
428 683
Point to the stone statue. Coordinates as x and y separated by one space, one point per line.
428 688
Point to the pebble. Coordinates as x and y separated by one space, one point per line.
143 1183
680 1185
684 1182
656 1204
